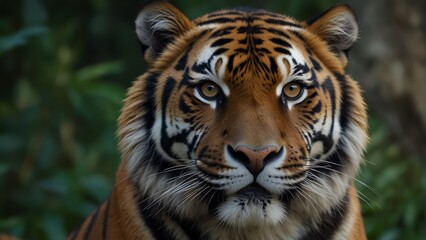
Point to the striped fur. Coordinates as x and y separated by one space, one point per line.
245 126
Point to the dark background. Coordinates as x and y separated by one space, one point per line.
64 70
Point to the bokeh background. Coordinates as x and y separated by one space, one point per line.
64 69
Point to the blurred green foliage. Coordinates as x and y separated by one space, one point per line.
64 68
391 188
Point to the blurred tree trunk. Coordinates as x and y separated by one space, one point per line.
389 61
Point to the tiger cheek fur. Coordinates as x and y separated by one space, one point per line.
245 126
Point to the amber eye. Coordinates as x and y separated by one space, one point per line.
209 90
293 90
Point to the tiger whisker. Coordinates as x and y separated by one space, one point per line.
344 174
362 196
171 192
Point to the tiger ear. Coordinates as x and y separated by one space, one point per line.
157 25
339 28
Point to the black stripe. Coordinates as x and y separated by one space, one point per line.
219 51
273 65
330 222
92 221
309 117
262 50
288 195
282 50
316 64
301 69
317 108
230 64
282 22
75 233
185 80
201 67
156 226
105 223
216 198
221 41
298 35
328 86
222 32
327 142
280 42
182 104
212 175
217 20
277 32
250 29
167 91
149 100
183 60
294 176
339 155
346 105
190 229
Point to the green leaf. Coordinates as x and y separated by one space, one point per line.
108 92
94 72
54 227
20 38
13 226
4 168
79 103
390 234
56 184
97 187
10 143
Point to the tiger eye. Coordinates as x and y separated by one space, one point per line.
209 90
293 90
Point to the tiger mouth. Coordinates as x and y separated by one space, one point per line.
254 190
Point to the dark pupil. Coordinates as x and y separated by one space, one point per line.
210 88
293 87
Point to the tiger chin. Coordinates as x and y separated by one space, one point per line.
245 126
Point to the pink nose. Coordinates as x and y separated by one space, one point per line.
254 159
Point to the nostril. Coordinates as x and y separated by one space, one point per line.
238 155
272 156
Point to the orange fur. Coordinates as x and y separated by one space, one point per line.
253 114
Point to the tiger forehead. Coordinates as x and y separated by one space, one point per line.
246 15
252 23
253 47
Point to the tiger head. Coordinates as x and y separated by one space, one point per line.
244 117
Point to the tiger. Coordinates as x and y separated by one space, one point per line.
244 126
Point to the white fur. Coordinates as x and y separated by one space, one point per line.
134 142
217 77
290 74
342 30
252 214
327 191
150 21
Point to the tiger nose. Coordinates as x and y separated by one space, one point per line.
254 159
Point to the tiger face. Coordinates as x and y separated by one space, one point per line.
245 117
